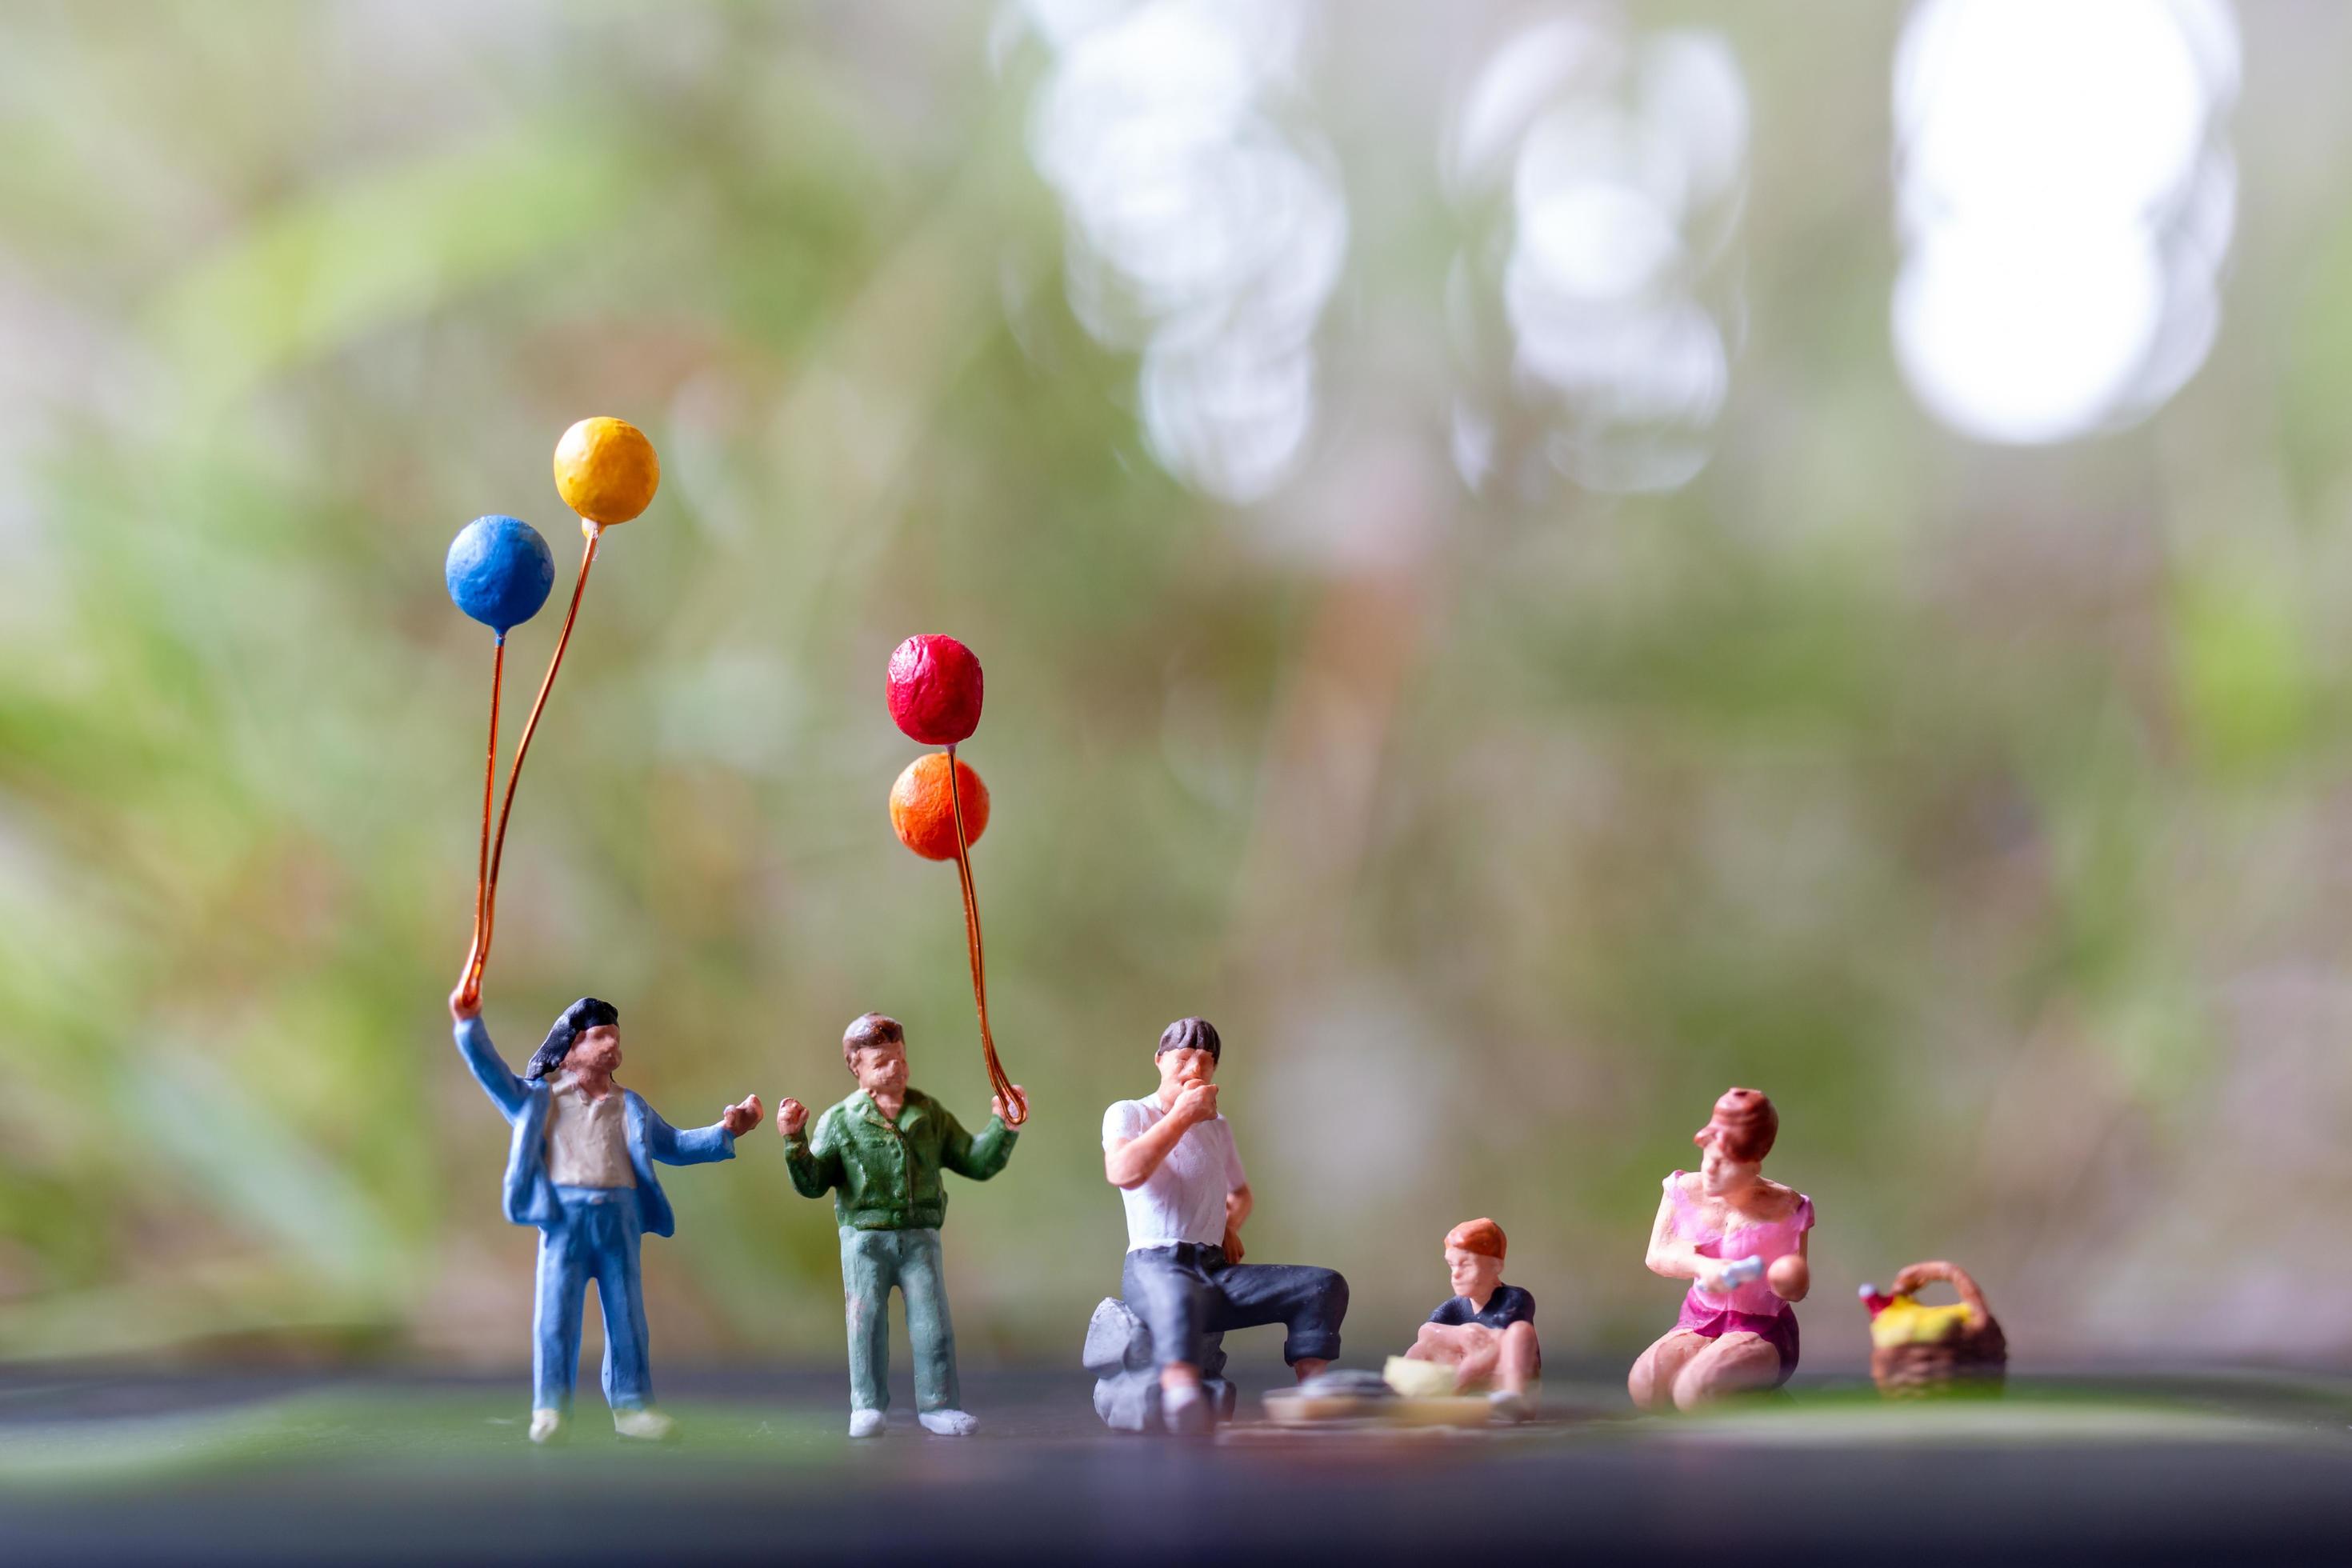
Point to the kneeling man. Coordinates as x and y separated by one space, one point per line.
1172 1158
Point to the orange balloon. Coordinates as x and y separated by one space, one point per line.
923 813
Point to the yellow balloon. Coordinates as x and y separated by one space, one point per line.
606 470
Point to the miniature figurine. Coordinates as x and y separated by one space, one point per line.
1486 1332
1720 1227
582 1169
1172 1158
881 1152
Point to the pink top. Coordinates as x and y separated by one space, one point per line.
1777 1239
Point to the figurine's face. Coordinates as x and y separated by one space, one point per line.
1179 1068
596 1050
1473 1274
880 1069
1719 1175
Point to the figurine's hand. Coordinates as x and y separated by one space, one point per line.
791 1116
1195 1105
740 1118
1709 1279
1482 1352
462 1006
996 1104
1232 1245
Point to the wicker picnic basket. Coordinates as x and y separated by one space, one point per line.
1972 1357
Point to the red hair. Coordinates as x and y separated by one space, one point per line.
1480 1235
1743 1126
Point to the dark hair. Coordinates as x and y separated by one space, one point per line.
583 1015
1191 1035
871 1029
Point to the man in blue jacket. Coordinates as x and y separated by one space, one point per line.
580 1168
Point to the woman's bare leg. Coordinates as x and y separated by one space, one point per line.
1735 1363
1652 1381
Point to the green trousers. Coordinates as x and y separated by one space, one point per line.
872 1263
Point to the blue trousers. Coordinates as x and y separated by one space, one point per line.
597 1240
1185 1293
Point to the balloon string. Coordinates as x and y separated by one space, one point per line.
1016 1105
482 857
481 954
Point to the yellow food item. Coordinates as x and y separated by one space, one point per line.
1903 1322
606 470
1418 1379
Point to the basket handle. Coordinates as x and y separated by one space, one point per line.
1910 1281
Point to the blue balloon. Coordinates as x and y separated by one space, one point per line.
499 571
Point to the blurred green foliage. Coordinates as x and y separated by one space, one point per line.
1987 807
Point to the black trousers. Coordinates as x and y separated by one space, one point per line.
1185 1291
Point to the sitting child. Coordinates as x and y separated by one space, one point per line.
1486 1332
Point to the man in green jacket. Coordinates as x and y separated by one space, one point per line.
881 1152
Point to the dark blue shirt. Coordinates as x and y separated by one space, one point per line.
1507 1305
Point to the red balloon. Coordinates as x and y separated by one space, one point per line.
935 689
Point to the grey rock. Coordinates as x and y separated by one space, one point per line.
1117 1340
1126 1385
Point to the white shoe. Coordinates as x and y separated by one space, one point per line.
866 1423
645 1426
1504 1406
1185 1411
949 1423
547 1425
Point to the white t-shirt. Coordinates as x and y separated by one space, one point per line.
1185 1200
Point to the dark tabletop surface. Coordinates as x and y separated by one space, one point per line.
111 1465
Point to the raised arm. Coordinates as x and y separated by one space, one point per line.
980 1157
506 1091
816 1170
700 1145
1670 1255
1128 1162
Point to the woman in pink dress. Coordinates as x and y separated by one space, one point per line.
1735 1333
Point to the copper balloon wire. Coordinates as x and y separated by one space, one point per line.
469 985
1017 1104
486 908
